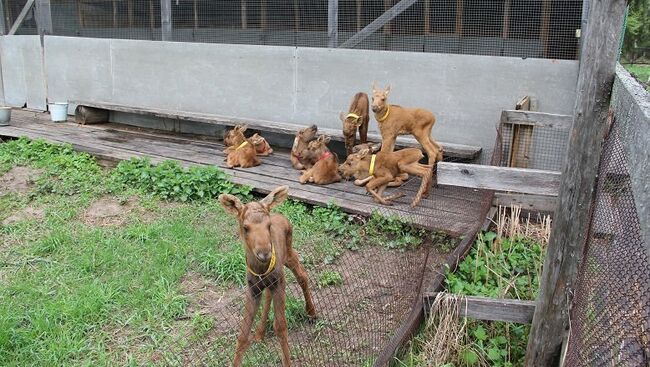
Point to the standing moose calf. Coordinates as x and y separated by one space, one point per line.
395 120
267 241
357 118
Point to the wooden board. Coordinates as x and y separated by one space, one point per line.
447 209
453 150
541 119
527 202
525 181
493 309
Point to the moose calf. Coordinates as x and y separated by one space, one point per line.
325 169
267 242
241 151
357 118
300 143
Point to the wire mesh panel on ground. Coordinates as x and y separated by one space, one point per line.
357 313
610 317
519 28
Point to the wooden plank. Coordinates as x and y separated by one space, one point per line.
381 21
525 181
244 14
21 17
491 309
566 244
460 9
166 19
427 16
540 119
505 31
522 138
460 151
358 15
263 15
3 24
527 202
296 15
332 23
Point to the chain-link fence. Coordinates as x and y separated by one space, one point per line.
610 318
522 28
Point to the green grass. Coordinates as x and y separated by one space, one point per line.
640 71
76 294
498 268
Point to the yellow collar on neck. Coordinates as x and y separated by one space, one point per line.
270 268
242 145
383 118
371 170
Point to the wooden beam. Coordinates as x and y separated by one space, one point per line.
3 24
296 15
460 9
332 23
371 28
427 16
387 25
263 15
505 28
522 138
521 180
572 216
538 119
195 13
129 11
21 17
545 25
358 15
166 19
483 308
114 14
43 13
537 203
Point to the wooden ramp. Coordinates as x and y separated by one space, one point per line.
450 209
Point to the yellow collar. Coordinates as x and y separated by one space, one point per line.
242 145
270 268
382 119
371 170
356 118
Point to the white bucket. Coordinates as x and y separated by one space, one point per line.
58 111
5 116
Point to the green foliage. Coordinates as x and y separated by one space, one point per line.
329 277
637 30
168 180
392 232
66 172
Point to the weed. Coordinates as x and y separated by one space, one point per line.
329 277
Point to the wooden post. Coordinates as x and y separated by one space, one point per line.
505 31
244 15
114 14
3 27
43 12
332 23
196 15
166 19
129 10
460 9
565 248
21 17
387 5
152 22
427 16
358 15
263 15
296 15
376 24
546 22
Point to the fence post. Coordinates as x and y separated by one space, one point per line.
166 19
332 23
572 215
3 26
43 12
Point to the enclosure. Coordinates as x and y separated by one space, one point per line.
500 76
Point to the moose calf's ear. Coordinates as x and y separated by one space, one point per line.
275 197
230 203
387 90
326 139
342 116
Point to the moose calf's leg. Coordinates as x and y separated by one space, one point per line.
363 131
304 178
388 143
280 323
261 327
252 304
293 263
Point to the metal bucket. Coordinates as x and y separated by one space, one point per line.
5 116
58 111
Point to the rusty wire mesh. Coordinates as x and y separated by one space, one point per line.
355 317
519 28
534 147
610 317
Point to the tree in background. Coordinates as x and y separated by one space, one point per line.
636 46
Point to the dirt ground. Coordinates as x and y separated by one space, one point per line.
355 319
108 211
18 180
25 214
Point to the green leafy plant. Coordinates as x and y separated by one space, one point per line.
328 278
392 232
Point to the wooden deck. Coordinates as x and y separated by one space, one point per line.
449 209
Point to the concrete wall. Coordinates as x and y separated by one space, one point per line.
304 85
631 106
22 71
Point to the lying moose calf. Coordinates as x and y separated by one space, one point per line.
379 170
267 242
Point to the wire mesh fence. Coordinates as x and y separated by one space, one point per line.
610 317
521 28
361 303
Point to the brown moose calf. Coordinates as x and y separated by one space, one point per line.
356 118
325 169
267 242
241 151
300 143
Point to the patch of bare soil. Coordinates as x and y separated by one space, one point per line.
25 214
108 211
355 318
18 180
